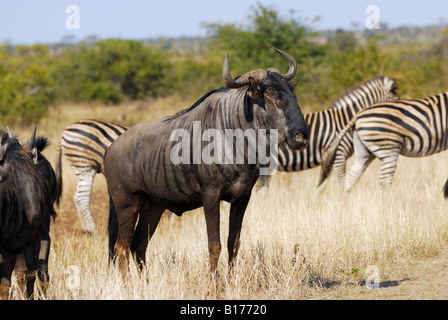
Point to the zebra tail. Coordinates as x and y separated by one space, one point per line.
58 173
112 228
330 155
445 190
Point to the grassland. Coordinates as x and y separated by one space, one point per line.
294 244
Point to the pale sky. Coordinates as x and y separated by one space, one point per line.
44 21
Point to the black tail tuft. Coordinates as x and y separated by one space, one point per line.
112 228
330 155
58 173
445 190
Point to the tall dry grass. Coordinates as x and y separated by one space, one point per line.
294 244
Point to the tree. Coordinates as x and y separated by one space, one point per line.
350 61
112 70
26 90
250 46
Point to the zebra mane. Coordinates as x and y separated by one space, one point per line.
368 85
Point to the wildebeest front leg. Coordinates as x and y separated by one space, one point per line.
235 221
212 218
42 261
25 269
7 262
21 271
31 262
127 218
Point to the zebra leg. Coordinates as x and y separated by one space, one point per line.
387 169
82 199
343 152
363 157
339 167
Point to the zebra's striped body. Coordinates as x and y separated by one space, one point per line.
325 125
413 128
84 144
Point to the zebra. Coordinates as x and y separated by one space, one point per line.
324 125
412 128
84 143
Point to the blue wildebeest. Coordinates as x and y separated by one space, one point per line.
27 194
143 179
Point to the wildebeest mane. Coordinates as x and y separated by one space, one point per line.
205 96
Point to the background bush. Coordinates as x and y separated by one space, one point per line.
112 71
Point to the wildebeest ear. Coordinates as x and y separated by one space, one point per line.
254 92
248 108
4 142
4 138
294 84
35 155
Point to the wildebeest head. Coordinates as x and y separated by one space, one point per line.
271 90
7 143
21 184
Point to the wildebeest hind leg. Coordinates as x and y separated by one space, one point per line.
127 218
7 262
26 269
149 219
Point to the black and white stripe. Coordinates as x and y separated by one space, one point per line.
413 128
325 125
84 144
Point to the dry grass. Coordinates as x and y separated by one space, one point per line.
294 244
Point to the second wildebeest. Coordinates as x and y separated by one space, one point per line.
26 206
143 181
34 259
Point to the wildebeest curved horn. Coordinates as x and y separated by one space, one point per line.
258 75
292 64
32 140
9 132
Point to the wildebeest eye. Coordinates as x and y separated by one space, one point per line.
280 103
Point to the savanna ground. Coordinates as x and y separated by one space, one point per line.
294 244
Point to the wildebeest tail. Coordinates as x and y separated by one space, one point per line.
58 173
445 190
112 228
330 155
